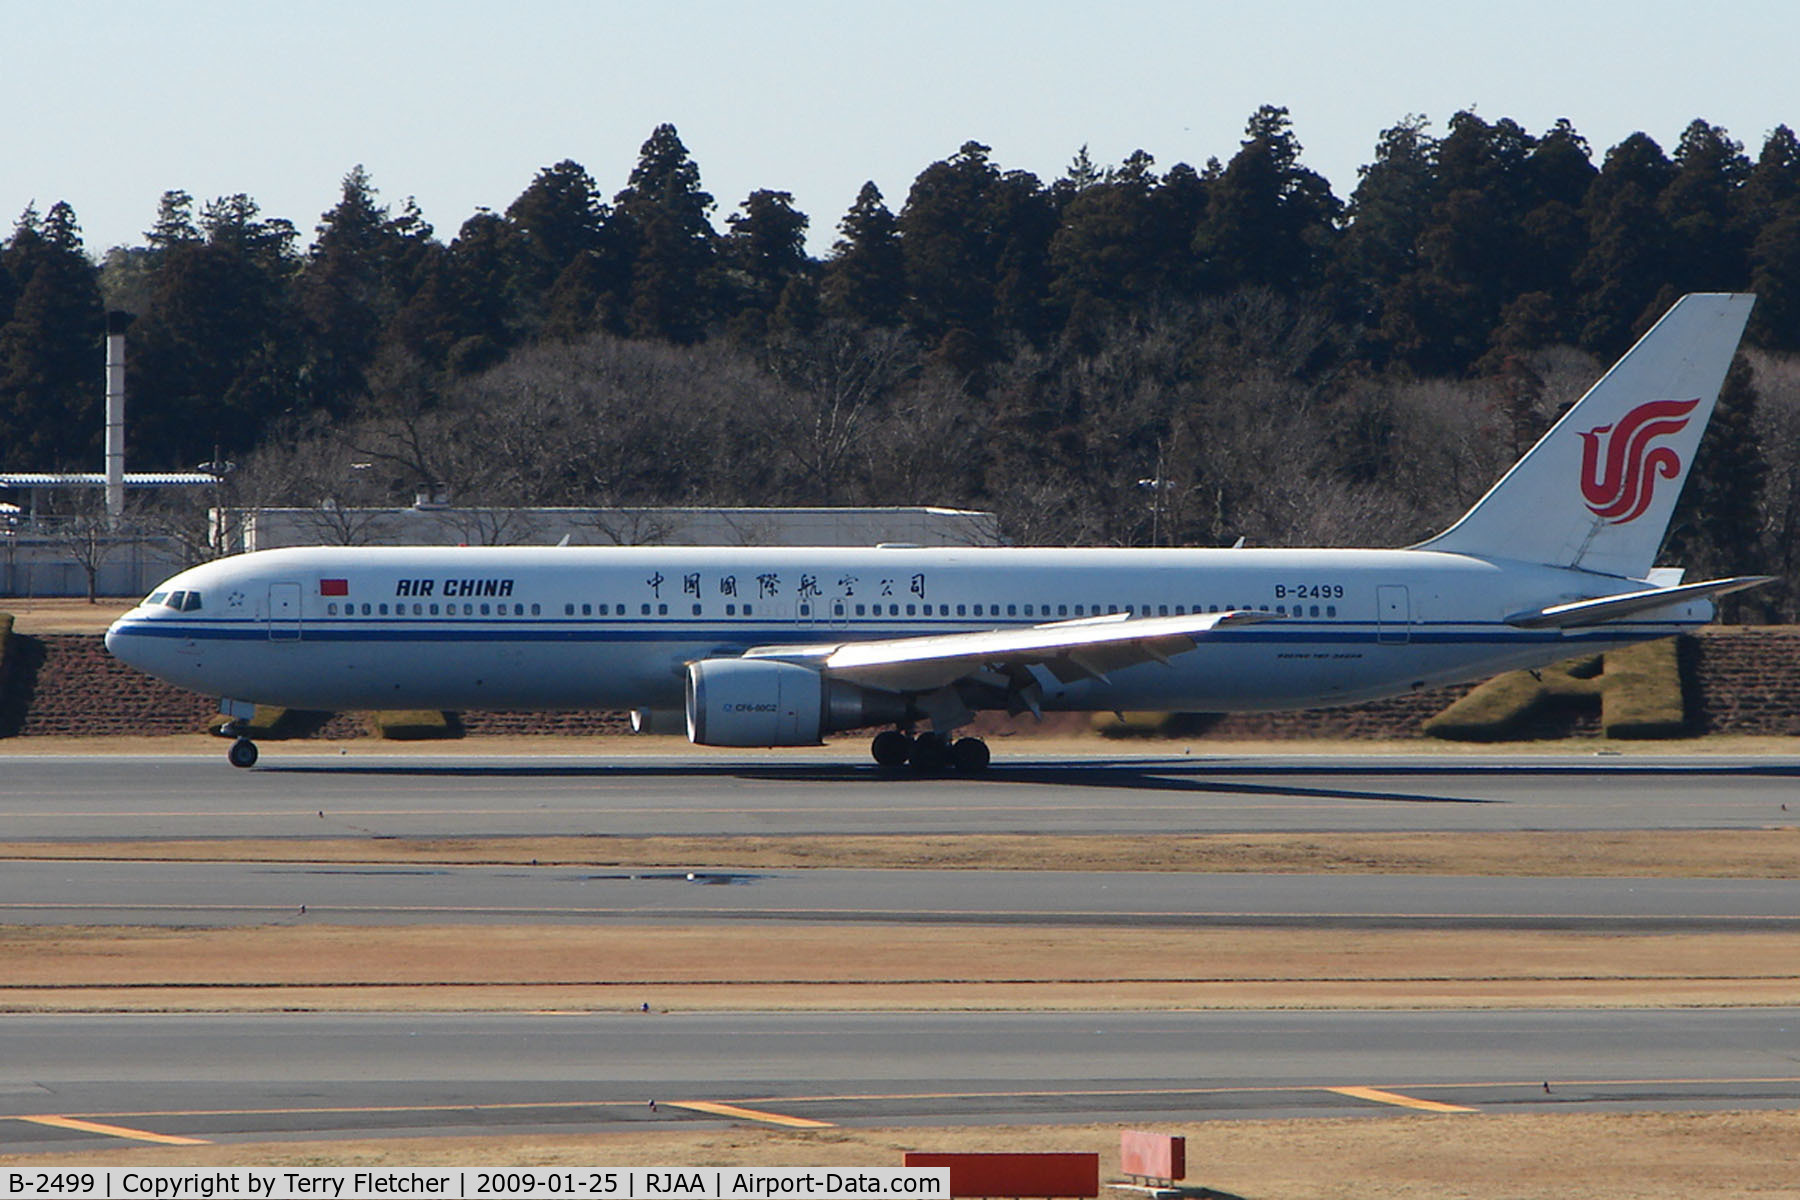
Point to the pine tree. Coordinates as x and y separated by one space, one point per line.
1386 219
1108 251
1270 221
1626 268
1709 241
1717 523
865 278
949 252
764 250
51 339
355 279
219 353
673 246
560 217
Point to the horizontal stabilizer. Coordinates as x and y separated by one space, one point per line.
1610 608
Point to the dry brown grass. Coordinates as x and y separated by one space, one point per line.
63 615
1772 852
962 967
1499 1156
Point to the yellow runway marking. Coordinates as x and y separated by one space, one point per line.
749 1114
118 1131
1381 1097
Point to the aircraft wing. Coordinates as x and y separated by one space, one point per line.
1086 648
1610 608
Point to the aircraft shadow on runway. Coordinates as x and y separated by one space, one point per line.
1190 775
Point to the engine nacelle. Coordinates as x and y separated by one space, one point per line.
658 720
765 702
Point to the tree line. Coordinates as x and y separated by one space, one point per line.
1121 355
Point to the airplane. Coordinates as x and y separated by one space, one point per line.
779 646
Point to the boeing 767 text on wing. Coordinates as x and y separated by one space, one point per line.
776 646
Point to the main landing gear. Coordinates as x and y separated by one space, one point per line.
929 752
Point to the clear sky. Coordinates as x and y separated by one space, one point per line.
109 103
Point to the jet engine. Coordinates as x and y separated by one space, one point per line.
765 702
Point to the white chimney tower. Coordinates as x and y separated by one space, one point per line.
116 323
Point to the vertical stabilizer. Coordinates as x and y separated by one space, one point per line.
1598 490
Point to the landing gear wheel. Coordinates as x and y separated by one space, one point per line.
930 752
242 753
969 755
891 748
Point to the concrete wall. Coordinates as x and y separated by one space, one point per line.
42 567
269 528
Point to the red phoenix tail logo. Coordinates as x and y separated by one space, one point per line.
1619 488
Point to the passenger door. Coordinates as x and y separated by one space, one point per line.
1393 615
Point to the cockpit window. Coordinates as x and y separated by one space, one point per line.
176 600
193 602
155 598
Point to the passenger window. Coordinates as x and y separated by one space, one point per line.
662 610
1028 610
909 610
487 612
367 609
434 610
731 610
568 610
587 610
860 609
1331 610
1062 610
1079 609
696 610
746 610
961 610
382 609
1012 610
646 611
331 609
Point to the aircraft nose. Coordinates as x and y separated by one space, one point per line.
115 639
122 645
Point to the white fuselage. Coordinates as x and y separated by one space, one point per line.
575 627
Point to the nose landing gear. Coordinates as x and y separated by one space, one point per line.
929 752
242 753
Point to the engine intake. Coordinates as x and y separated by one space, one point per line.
765 702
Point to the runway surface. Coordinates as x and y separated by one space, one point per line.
222 1078
203 893
81 1081
834 792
